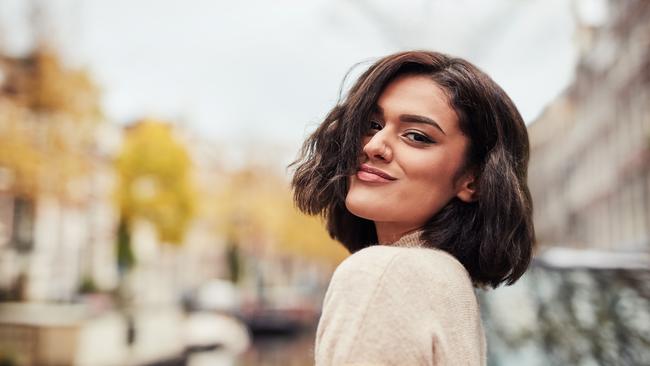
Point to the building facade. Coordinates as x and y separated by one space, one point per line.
590 149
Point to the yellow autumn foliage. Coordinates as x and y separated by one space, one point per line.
256 202
48 115
60 90
154 180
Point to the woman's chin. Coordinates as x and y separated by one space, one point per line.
366 209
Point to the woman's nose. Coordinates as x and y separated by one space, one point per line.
378 147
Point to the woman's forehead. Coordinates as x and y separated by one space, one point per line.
417 95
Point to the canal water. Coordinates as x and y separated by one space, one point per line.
269 350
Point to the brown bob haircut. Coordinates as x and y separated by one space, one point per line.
492 237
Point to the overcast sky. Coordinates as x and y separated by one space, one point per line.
268 71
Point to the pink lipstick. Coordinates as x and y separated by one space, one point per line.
367 173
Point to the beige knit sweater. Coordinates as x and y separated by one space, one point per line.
400 304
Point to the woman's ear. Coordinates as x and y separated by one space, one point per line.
467 190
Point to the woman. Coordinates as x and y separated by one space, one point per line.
421 173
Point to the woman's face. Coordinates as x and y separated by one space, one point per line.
411 157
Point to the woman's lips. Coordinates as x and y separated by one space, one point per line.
367 173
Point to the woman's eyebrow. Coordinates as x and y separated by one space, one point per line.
413 118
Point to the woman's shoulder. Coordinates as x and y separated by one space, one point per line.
424 265
399 305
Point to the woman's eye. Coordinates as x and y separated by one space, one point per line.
374 125
418 137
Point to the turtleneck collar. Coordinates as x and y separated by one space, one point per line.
410 240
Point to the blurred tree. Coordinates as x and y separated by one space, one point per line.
58 90
154 180
48 116
20 157
233 258
255 203
125 256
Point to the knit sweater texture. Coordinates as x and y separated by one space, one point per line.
400 304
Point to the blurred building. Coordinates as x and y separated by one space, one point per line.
55 217
590 148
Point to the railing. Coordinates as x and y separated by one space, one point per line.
572 308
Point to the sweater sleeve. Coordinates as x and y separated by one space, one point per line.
399 306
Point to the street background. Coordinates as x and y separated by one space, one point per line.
145 215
